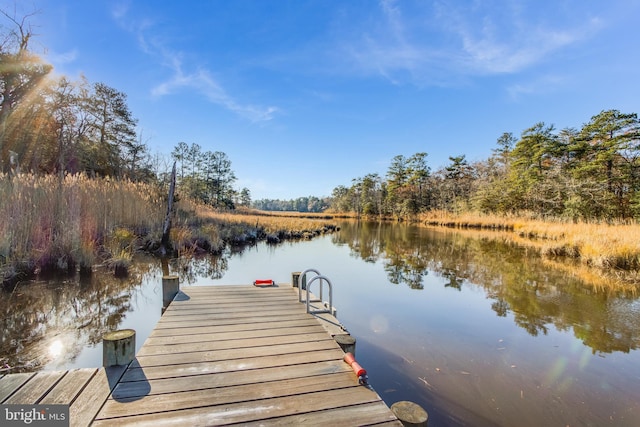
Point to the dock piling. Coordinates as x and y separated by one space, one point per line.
410 414
170 288
346 342
118 347
295 278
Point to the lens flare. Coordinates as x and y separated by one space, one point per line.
379 324
556 370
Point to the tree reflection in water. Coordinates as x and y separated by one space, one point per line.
43 319
52 321
439 345
517 280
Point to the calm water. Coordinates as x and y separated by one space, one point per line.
477 332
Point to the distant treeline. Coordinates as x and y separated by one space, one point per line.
301 204
591 173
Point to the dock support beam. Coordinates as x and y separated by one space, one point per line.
170 288
118 347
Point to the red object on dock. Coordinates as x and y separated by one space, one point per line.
351 361
263 283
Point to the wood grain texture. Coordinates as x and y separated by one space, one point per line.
69 387
35 389
239 354
11 383
219 355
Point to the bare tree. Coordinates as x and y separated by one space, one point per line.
21 71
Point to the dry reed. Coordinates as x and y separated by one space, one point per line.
52 223
274 226
601 245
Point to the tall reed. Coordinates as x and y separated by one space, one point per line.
276 224
603 245
56 223
50 222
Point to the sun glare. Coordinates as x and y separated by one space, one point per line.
55 349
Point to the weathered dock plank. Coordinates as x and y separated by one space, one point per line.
364 414
9 384
260 410
222 320
212 356
225 379
69 387
36 388
85 390
220 396
246 307
229 365
218 356
229 344
84 409
248 325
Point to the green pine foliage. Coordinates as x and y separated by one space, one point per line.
590 174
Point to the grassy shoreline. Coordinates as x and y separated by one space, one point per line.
607 248
53 224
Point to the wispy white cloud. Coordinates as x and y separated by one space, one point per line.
120 9
540 85
450 41
61 58
515 46
388 51
184 76
203 82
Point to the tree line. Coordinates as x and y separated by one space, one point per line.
301 204
207 176
591 173
55 125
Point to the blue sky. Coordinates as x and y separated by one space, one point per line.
304 96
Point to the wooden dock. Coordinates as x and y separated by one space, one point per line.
219 355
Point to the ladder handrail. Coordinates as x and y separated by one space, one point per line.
301 278
322 280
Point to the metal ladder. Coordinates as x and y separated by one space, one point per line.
305 285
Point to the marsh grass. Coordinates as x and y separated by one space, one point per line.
273 227
614 248
50 223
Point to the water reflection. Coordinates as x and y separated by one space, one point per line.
517 281
51 321
191 270
478 332
40 318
